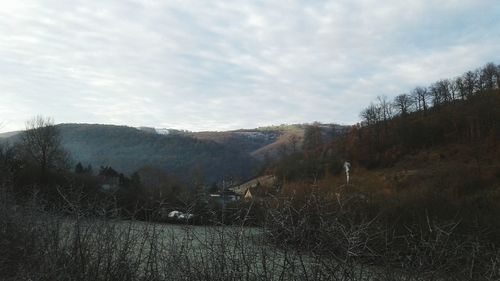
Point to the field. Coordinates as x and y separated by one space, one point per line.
38 245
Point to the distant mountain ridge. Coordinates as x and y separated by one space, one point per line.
8 134
128 149
211 155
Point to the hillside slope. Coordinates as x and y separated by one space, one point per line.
210 155
128 149
245 141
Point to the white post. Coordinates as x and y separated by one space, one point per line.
347 166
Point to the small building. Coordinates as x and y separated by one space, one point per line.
109 184
226 196
256 187
248 195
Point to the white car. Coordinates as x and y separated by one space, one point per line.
174 214
180 215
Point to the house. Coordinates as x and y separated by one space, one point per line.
109 184
109 179
226 196
248 195
252 188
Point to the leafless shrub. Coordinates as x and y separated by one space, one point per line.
314 240
349 233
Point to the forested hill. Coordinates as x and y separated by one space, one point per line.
209 155
447 130
128 149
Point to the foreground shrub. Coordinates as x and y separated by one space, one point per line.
318 239
353 229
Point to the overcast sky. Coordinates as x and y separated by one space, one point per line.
218 65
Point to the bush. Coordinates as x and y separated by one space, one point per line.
392 234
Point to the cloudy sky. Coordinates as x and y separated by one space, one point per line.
217 65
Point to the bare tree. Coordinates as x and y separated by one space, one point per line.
402 104
445 90
434 93
420 96
470 83
498 76
371 114
488 77
313 137
293 141
385 107
440 92
459 88
41 144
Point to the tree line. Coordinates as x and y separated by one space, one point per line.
439 93
36 165
463 109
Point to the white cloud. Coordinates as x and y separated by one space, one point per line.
217 65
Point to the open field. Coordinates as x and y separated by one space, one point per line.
41 246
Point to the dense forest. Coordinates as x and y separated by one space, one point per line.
128 149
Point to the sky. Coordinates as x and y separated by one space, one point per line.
221 65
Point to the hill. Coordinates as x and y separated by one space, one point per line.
245 141
128 149
8 134
209 155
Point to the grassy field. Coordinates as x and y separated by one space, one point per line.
37 245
